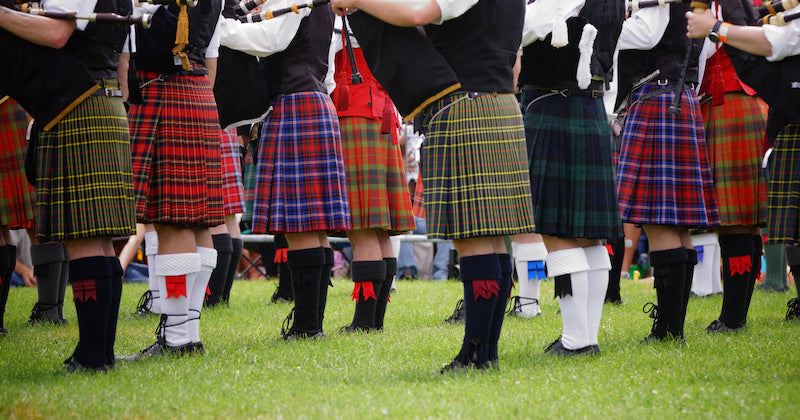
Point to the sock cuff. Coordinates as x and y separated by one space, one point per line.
368 271
793 255
47 253
480 267
535 251
222 243
705 239
506 265
597 257
736 245
89 268
566 261
280 242
329 258
391 266
668 256
692 256
116 267
177 264
309 257
237 244
151 243
758 245
208 257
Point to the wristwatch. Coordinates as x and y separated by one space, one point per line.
713 36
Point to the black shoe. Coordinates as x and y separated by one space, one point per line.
3 331
459 315
717 326
793 310
617 301
290 334
71 366
144 305
159 348
557 348
516 305
349 329
458 366
276 298
764 288
195 348
45 313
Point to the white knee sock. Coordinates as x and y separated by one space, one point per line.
599 264
176 273
150 251
197 291
529 260
575 329
706 273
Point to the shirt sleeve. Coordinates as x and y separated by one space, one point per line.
644 29
83 7
539 17
212 51
785 40
452 9
262 38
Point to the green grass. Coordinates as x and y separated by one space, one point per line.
248 373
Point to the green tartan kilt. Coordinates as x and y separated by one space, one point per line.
84 179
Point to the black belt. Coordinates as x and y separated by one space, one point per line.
595 90
113 93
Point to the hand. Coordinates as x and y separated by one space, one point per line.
699 24
26 273
339 6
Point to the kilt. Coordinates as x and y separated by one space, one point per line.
249 187
83 173
16 195
175 139
784 188
736 142
232 188
572 178
300 177
663 176
473 165
376 179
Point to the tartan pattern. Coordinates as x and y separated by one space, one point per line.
175 138
663 176
572 178
784 189
16 195
83 168
232 189
300 177
249 186
474 168
418 207
736 142
376 179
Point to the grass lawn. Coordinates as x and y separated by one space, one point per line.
247 372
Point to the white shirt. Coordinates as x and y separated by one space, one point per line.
644 29
262 38
83 7
452 9
785 40
539 17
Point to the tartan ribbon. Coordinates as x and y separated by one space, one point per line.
485 288
83 290
699 250
281 255
740 265
536 270
365 289
176 286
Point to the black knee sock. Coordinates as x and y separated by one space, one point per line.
691 261
793 259
91 288
8 258
237 245
368 279
758 251
62 284
116 297
481 276
386 289
737 269
216 283
669 272
324 283
507 272
284 274
306 266
613 291
47 261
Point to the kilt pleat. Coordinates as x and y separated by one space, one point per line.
16 195
232 188
300 177
736 142
249 185
176 151
84 180
572 178
376 180
664 176
474 168
784 188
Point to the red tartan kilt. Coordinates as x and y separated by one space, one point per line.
233 191
175 138
16 195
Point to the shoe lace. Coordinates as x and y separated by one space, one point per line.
285 326
793 307
651 309
516 304
144 301
550 346
457 312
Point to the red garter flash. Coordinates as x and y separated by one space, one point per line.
83 290
610 249
280 255
367 290
740 265
208 291
176 286
485 288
